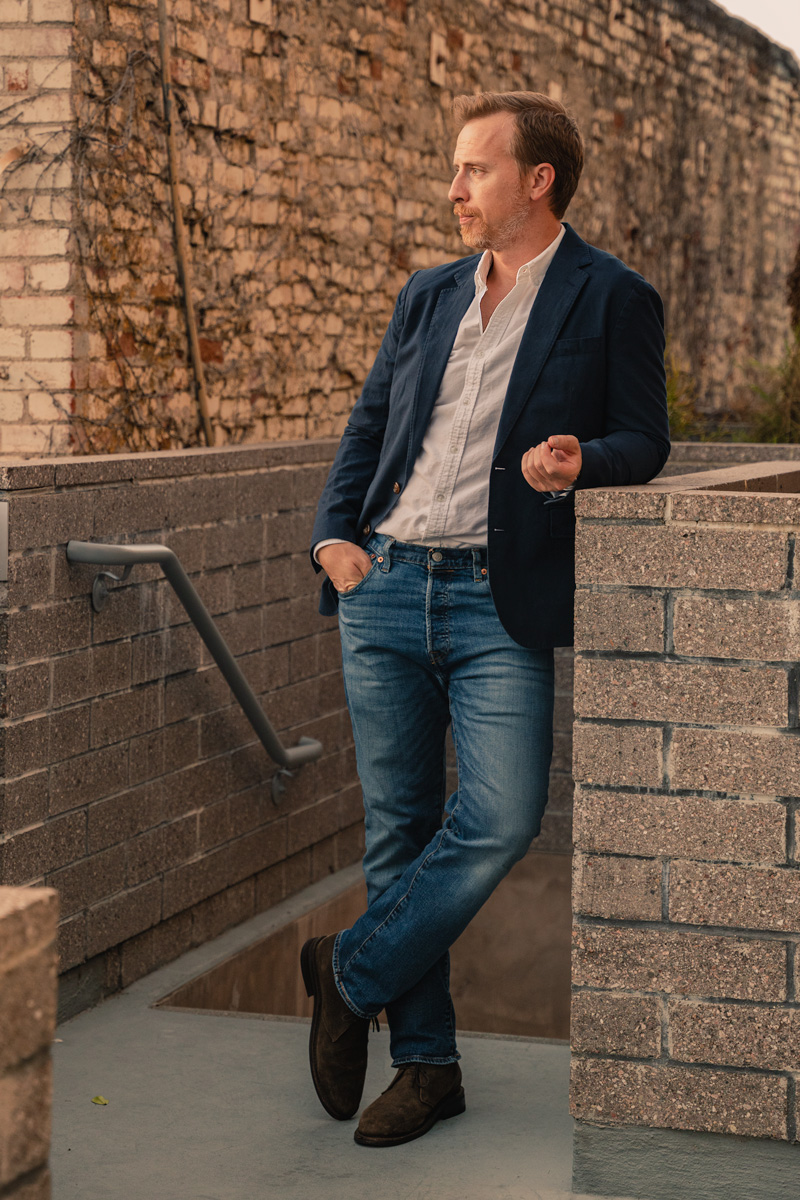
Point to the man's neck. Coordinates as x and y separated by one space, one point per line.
507 262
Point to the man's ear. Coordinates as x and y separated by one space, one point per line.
541 179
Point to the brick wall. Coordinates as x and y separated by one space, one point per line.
132 783
314 161
27 1021
687 771
40 345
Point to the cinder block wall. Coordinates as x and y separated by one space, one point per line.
27 1022
687 770
132 783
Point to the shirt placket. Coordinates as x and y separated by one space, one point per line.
447 478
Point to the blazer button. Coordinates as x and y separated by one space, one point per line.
367 529
396 489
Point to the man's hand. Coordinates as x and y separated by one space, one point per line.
553 465
345 563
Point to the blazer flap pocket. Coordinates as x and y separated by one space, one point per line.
584 345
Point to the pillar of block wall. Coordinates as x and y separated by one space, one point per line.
27 1021
685 1016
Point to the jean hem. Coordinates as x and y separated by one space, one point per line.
421 1058
340 986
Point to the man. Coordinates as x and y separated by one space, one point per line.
446 530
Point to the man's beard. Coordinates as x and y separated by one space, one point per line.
480 235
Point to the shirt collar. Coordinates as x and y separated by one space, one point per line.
532 272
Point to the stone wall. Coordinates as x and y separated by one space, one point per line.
687 771
27 1022
314 161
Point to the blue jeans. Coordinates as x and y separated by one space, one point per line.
422 646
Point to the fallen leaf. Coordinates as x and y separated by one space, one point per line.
99 1100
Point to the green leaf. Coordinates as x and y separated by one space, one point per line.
99 1100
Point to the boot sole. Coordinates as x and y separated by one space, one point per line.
451 1106
310 975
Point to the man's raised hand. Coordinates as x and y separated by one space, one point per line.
553 465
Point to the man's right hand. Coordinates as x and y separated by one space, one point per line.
345 564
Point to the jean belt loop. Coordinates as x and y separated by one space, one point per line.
476 566
386 555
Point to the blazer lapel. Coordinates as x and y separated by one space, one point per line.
451 305
565 277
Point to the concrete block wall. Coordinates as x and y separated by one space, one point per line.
132 783
687 772
40 313
27 1022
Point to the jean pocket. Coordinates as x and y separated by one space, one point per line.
357 588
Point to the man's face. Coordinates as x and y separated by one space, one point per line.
489 198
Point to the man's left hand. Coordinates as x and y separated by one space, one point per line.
553 465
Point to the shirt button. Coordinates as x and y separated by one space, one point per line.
440 496
366 529
396 488
437 556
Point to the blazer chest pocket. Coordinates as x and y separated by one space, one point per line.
585 345
562 520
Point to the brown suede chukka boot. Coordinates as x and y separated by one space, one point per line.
419 1096
337 1047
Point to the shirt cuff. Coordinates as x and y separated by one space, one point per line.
326 542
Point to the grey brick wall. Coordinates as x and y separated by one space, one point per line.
687 769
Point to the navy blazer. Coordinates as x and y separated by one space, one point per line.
590 363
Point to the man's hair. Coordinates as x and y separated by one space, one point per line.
545 132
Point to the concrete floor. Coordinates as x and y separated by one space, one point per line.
208 1106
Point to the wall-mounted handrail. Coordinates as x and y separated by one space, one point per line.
104 554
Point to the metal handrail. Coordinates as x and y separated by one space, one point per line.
103 554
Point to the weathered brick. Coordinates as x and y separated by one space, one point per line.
28 917
734 761
24 801
88 777
228 908
751 627
741 508
746 897
620 504
650 691
25 690
630 755
89 880
208 500
196 692
28 310
27 1005
122 917
678 556
195 881
735 1035
680 826
130 509
124 815
41 632
621 1093
257 850
91 672
620 620
603 1023
25 1100
625 888
116 718
684 963
33 853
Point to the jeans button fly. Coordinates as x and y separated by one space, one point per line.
437 556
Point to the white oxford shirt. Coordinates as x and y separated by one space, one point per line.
446 500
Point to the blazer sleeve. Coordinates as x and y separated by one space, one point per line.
359 451
635 445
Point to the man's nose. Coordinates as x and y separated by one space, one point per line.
458 188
